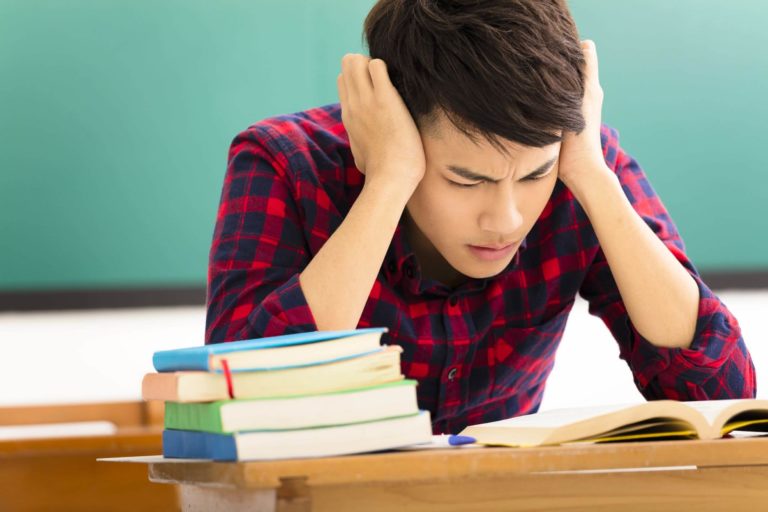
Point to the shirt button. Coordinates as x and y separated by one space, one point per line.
392 267
453 301
409 272
452 374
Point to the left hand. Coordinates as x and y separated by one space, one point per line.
581 155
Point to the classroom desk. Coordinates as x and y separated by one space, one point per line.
715 475
61 473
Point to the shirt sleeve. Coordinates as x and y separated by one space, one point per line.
717 365
258 249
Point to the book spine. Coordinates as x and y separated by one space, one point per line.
204 417
184 444
178 360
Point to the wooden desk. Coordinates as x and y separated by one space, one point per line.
62 474
724 474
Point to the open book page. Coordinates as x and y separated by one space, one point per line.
726 415
655 419
650 430
647 420
559 417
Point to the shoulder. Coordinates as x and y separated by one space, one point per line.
305 134
306 147
307 153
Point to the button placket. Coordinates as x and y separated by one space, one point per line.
457 339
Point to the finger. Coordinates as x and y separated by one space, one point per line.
342 89
379 75
590 55
356 76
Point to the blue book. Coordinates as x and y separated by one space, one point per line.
277 352
384 434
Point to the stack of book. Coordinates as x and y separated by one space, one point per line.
300 395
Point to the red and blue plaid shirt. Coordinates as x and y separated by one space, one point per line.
481 351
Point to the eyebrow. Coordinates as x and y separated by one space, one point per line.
473 176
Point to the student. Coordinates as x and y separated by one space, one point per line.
462 193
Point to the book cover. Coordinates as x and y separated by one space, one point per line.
366 370
317 442
204 357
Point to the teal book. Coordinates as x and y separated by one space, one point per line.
196 386
277 352
367 404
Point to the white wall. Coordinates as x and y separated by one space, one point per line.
102 355
607 379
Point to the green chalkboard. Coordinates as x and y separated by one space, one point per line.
116 119
685 83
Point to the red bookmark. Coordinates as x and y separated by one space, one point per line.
228 376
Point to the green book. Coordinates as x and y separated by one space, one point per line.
389 400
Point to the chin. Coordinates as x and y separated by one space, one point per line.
483 271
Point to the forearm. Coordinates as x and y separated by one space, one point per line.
661 297
338 280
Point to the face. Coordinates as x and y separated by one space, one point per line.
475 203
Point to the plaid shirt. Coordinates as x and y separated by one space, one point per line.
481 351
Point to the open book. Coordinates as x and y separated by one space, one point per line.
708 419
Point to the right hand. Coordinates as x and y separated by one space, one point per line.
383 136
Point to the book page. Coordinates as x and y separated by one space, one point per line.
710 409
559 417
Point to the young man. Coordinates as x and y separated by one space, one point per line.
462 194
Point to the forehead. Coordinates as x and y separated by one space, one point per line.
444 141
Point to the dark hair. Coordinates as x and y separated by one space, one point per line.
496 68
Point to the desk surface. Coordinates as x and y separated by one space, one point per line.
708 476
448 464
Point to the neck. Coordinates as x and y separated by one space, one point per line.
433 265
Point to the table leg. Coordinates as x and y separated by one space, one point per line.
214 499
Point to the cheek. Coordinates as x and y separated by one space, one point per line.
441 209
537 200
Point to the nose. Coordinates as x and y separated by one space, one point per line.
502 216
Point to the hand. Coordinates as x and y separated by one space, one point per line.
383 136
581 155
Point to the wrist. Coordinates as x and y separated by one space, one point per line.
392 189
593 185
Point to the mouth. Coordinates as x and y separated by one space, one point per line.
494 247
492 252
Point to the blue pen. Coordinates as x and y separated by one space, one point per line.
455 440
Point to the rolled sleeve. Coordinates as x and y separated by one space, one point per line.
284 311
717 364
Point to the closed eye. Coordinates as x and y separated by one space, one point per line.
461 172
534 177
465 185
